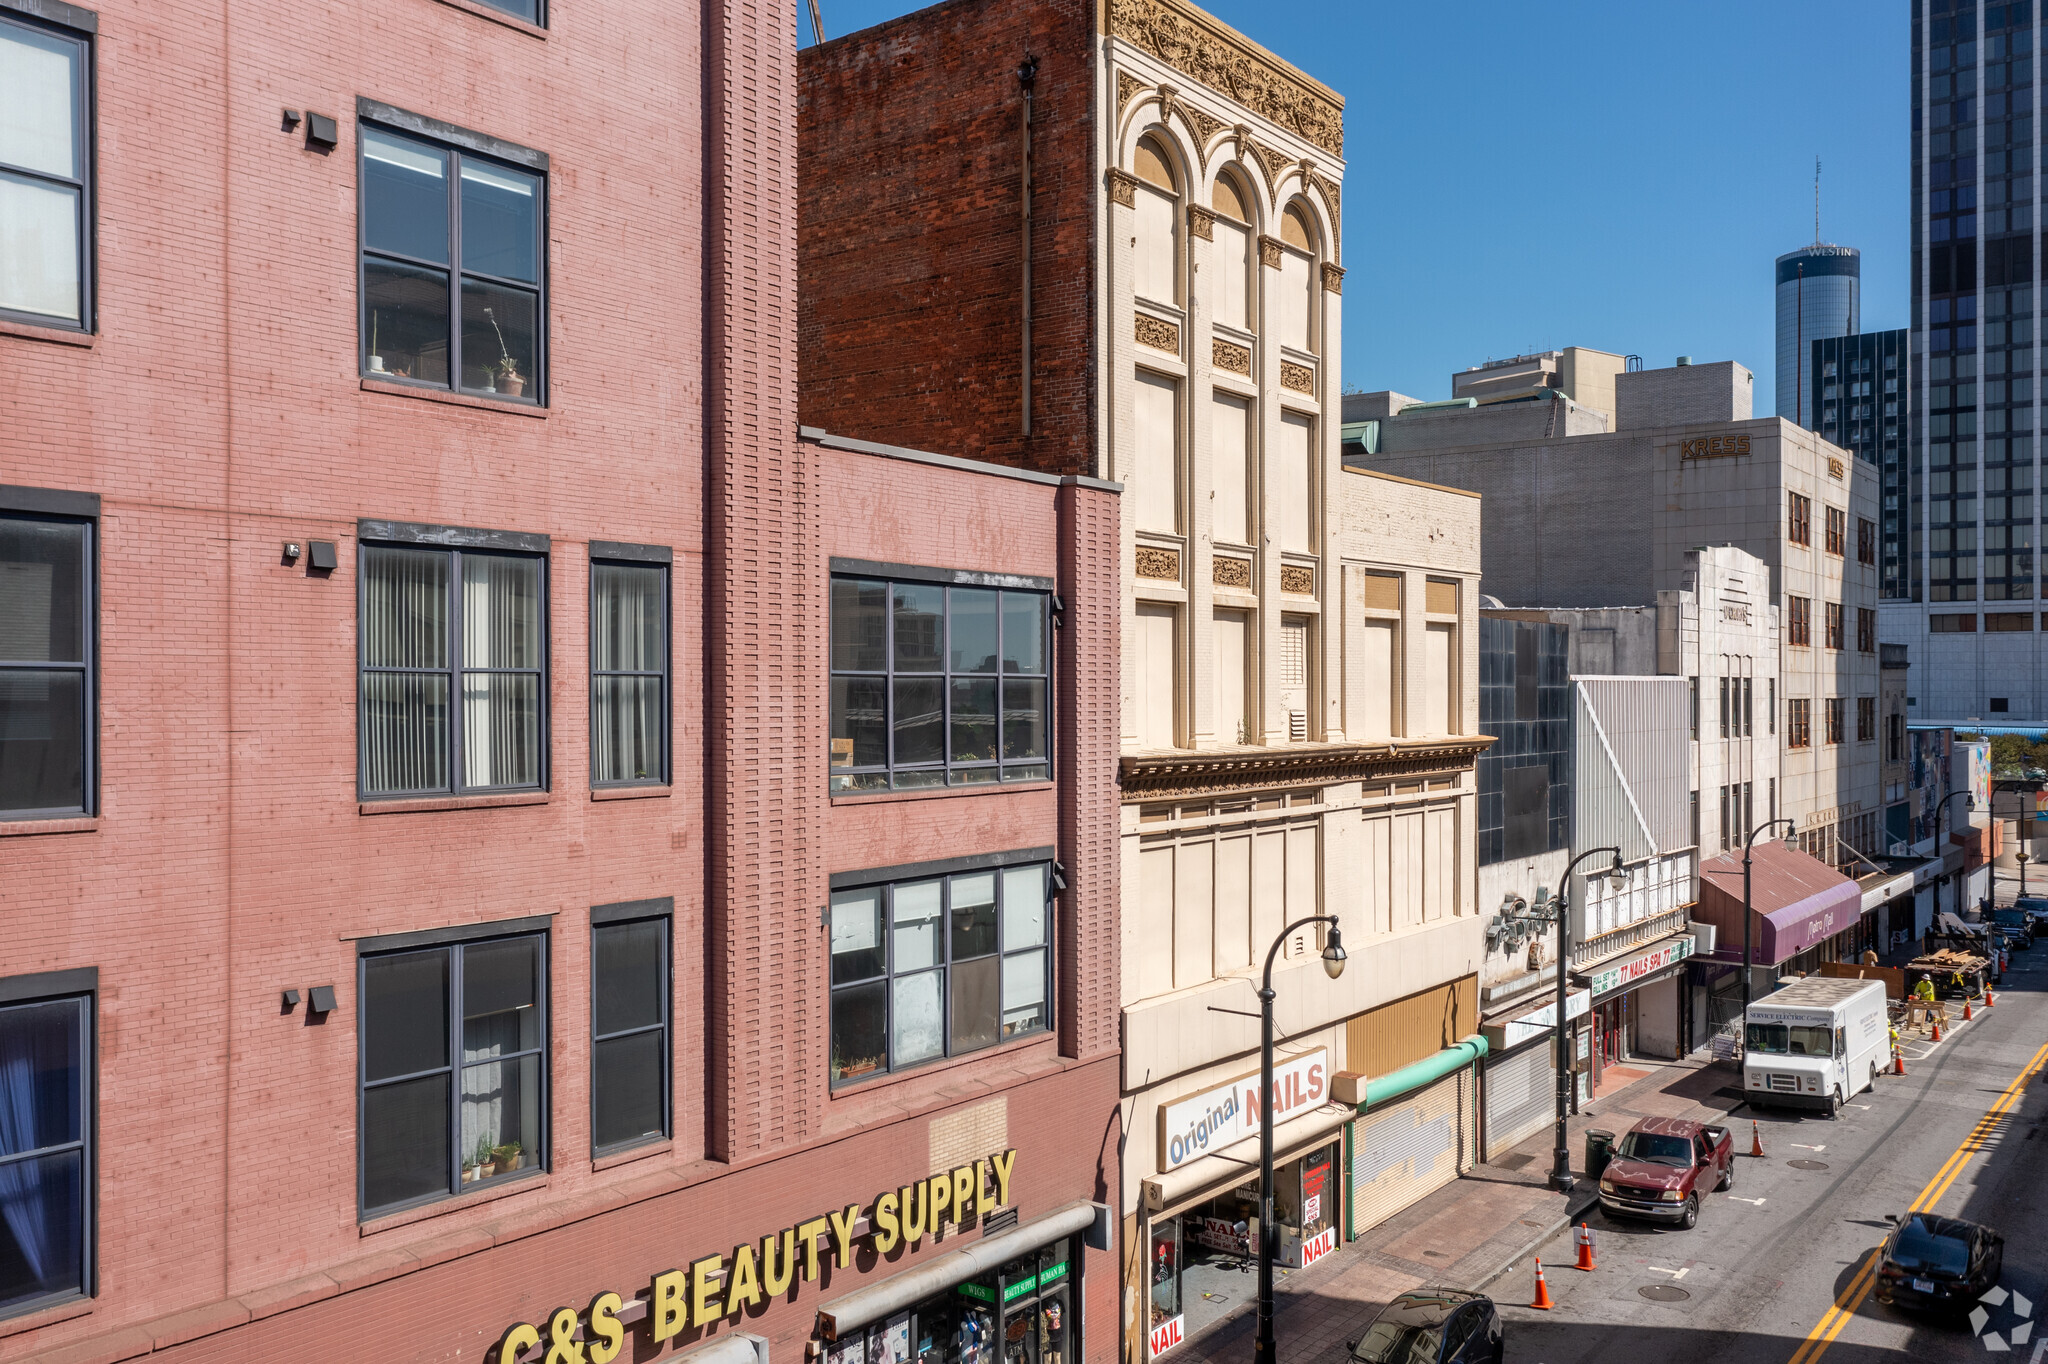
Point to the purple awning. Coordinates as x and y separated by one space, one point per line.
1796 900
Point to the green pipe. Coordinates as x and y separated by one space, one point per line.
1380 1088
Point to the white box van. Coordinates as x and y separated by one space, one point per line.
1815 1043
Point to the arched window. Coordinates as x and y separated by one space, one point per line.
1233 302
1156 276
1295 299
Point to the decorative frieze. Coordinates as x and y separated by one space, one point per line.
1206 126
1333 278
1231 572
1194 774
1158 333
1271 162
1154 562
1201 222
1269 251
1297 378
1191 41
1128 88
1297 580
1229 356
1123 187
1332 196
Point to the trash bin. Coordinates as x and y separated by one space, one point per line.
1599 1150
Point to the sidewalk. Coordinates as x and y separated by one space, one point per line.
1467 1234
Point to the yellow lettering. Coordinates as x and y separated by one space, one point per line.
963 1194
808 1233
518 1341
1004 1165
608 1337
914 1220
776 1279
938 1198
982 1198
667 1310
743 1287
704 1290
887 1230
842 1234
562 1345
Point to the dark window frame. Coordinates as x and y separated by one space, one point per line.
609 554
454 942
1866 719
635 912
59 505
1836 715
949 769
454 542
457 144
885 880
1799 621
79 986
1866 541
1799 528
1837 542
1832 623
68 23
1799 722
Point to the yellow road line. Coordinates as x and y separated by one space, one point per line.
1845 1306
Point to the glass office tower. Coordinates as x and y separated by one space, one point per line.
1820 293
1859 390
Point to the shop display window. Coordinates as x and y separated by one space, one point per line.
1020 1315
1165 1271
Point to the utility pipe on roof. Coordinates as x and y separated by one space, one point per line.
1415 1075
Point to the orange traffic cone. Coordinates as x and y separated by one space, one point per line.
1756 1140
1988 1000
1584 1236
1937 1029
1542 1302
1898 1063
1967 1015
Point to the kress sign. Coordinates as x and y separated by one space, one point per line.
718 1286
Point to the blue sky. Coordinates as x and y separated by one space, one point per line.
1595 173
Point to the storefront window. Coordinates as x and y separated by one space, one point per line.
1165 1261
1020 1315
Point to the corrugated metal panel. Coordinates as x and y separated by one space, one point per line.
1644 720
1603 811
1393 1035
1408 1150
1521 1096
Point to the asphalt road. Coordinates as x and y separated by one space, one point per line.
1778 1268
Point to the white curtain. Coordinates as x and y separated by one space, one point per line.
626 639
500 709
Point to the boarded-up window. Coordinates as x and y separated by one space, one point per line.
1154 275
1288 490
1148 967
1439 677
1525 810
1376 649
1230 440
1233 903
1292 302
1231 629
1155 471
1232 254
1156 684
1194 914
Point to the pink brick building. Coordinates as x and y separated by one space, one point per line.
492 816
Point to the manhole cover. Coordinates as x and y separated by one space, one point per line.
1807 1164
1663 1292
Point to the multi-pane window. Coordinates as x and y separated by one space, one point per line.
1748 707
451 268
1833 621
454 1068
1799 520
1866 630
1866 541
1725 705
1866 719
939 966
45 173
629 1025
1799 620
629 663
46 1156
1798 722
453 652
1836 706
1837 531
46 666
936 684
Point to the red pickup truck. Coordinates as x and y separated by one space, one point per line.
1660 1169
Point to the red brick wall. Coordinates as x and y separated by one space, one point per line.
910 233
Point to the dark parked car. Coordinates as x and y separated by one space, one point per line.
1943 1263
1663 1166
2018 925
2036 910
1432 1324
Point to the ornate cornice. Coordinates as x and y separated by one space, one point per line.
1123 187
1227 62
1202 222
1269 251
1333 277
1155 776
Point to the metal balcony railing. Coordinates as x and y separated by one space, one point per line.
1615 941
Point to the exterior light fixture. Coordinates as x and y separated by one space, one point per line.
1333 955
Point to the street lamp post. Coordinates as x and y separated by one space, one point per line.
1939 811
1747 843
1269 1242
2021 855
1560 905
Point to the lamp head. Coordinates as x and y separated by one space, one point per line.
1333 954
1617 879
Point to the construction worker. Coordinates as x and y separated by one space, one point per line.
1924 991
1893 1029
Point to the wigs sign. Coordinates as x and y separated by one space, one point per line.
714 1287
1215 1118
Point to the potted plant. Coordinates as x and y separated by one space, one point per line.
508 1157
510 381
479 1165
